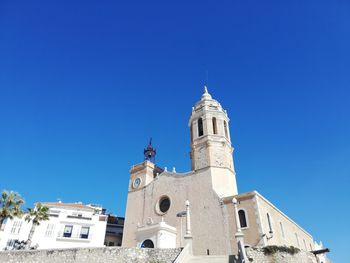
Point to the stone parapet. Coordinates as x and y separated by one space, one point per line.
92 255
257 255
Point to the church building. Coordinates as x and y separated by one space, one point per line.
156 198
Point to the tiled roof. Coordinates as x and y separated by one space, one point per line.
67 205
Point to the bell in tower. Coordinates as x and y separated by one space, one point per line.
150 153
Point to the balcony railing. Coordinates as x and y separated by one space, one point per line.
74 237
79 217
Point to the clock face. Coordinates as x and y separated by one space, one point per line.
136 183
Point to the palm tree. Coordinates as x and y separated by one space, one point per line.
36 215
10 206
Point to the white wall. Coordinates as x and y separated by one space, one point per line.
49 234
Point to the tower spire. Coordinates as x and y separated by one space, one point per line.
206 95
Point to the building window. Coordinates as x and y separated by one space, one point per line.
215 128
16 227
54 213
225 128
297 238
269 222
191 130
242 218
68 231
111 244
164 204
49 230
147 244
2 227
84 232
200 127
305 244
11 243
282 230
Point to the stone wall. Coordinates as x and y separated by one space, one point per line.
91 255
138 255
256 255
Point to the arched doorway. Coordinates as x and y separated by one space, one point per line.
148 243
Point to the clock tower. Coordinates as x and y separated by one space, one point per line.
211 144
144 173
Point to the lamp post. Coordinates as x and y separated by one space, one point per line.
239 235
188 220
181 215
188 234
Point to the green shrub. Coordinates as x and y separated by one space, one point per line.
269 250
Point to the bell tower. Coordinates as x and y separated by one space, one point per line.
144 173
211 144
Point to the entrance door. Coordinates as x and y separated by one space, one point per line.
148 243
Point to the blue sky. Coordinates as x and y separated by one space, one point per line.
84 84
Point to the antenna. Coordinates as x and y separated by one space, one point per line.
206 78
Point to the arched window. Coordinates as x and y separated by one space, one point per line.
242 218
282 230
269 222
191 130
225 128
148 243
297 238
200 127
215 128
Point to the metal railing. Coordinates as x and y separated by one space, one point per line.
79 217
74 236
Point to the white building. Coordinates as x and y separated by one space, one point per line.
70 225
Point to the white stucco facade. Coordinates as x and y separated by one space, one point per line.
69 225
161 234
